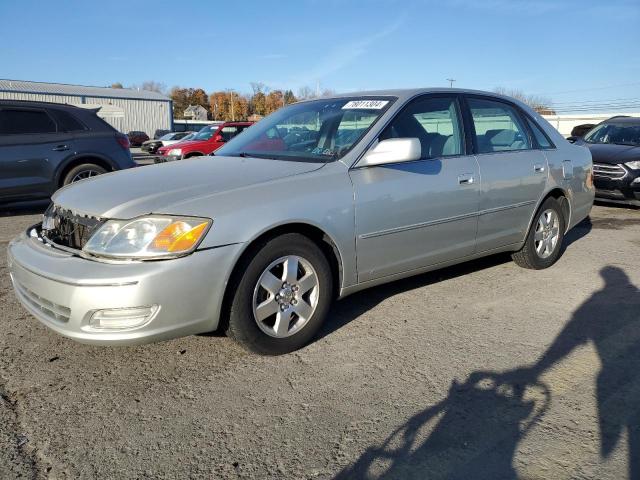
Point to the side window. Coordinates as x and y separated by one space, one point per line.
67 122
498 126
15 122
539 135
228 133
434 121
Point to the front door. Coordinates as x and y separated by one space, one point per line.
514 173
417 214
30 150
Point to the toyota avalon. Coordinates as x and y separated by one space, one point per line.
317 201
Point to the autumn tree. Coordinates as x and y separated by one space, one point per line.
273 101
183 97
228 106
116 85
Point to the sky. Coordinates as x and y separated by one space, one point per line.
575 53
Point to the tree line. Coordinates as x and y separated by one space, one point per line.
229 104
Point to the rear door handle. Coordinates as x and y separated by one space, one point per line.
465 179
538 168
60 148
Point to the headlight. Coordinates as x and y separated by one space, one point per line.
635 165
175 151
148 237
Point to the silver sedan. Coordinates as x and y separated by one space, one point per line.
319 200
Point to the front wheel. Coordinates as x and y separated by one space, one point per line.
282 297
80 172
542 247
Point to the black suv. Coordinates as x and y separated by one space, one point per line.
615 149
44 146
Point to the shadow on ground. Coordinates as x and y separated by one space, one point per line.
475 431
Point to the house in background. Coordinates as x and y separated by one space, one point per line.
195 112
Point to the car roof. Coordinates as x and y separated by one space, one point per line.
406 93
623 119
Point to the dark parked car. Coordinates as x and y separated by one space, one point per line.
580 130
137 138
44 146
159 133
615 148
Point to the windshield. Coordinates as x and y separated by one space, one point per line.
319 130
206 133
618 133
168 136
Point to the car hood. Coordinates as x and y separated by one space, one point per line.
612 153
156 188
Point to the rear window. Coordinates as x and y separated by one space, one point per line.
17 121
67 122
541 138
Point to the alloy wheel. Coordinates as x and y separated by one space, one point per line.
547 233
84 174
286 296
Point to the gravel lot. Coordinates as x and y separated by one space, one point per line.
383 393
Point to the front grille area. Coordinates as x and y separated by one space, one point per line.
612 172
63 227
53 311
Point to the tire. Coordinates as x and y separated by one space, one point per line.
193 155
542 248
291 312
81 172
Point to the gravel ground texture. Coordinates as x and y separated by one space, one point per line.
483 370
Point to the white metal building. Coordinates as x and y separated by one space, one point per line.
124 108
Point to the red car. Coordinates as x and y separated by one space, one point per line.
205 142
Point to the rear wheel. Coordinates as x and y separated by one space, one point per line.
80 172
542 247
282 296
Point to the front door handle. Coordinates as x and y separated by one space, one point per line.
538 168
60 148
465 179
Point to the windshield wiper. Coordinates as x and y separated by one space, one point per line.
254 155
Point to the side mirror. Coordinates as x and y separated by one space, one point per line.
572 139
219 138
393 150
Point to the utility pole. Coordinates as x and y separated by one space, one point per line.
233 117
451 80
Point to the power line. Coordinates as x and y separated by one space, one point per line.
589 102
591 89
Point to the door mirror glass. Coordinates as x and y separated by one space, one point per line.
393 150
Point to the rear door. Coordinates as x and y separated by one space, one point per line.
30 149
514 173
417 214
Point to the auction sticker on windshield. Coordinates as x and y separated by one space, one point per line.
366 104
